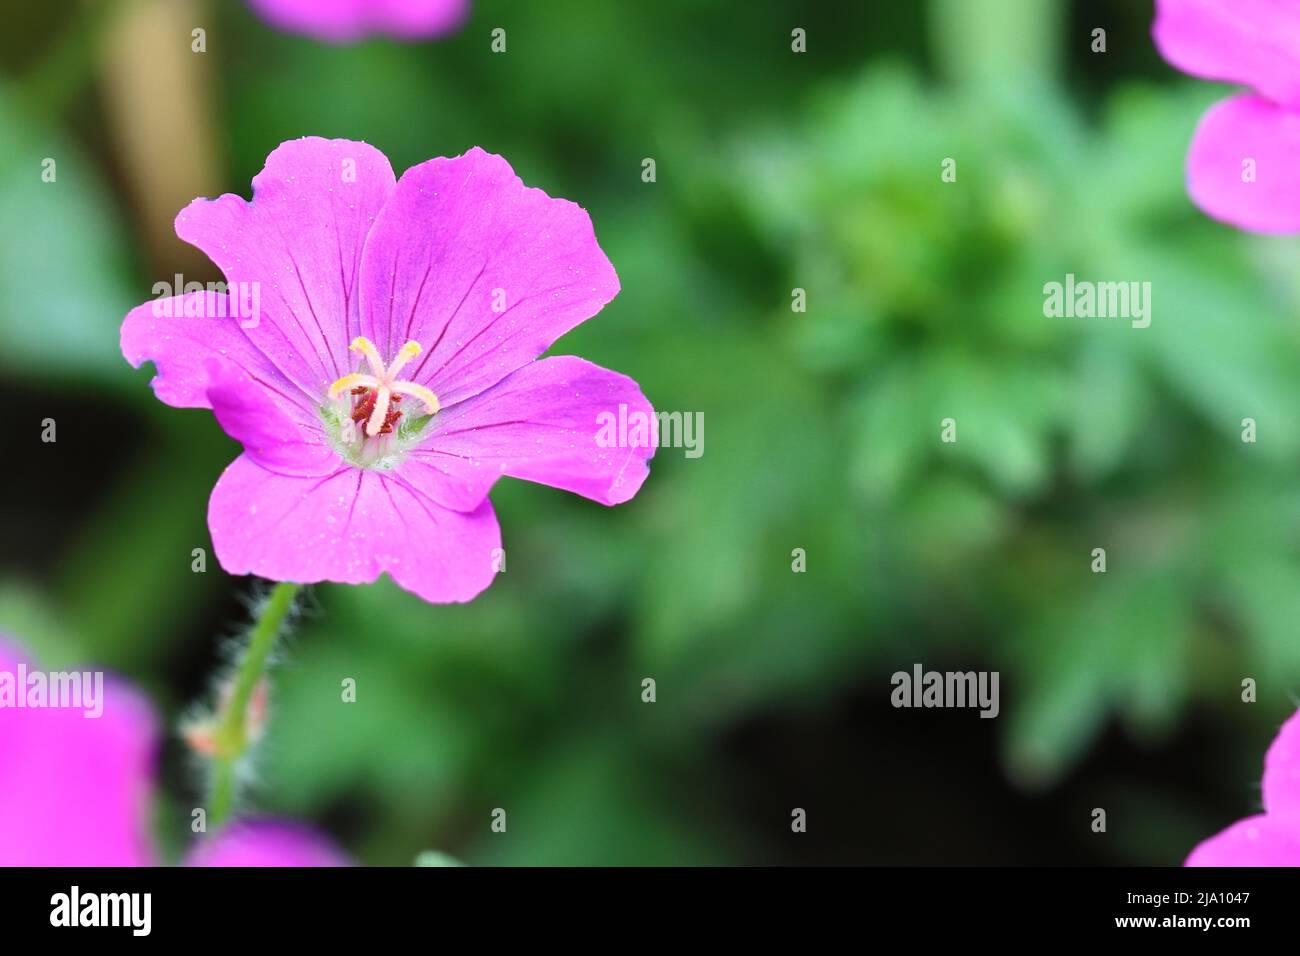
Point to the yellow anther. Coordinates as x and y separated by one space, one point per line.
367 348
349 382
407 352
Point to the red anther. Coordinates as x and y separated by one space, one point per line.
365 407
361 410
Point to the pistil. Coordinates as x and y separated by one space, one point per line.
381 390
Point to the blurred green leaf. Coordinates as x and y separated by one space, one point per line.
61 259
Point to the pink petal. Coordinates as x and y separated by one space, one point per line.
1281 782
1252 42
250 415
1256 841
266 843
341 21
542 423
1238 135
350 527
416 19
460 236
300 240
182 345
74 789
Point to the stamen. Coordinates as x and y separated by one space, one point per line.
367 348
418 391
407 352
352 382
375 397
377 417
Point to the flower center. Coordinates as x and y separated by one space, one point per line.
374 400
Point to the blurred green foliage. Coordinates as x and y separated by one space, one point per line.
924 301
1074 433
70 270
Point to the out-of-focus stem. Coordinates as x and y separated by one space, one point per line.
231 736
159 100
997 43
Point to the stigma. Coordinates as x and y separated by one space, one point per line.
376 395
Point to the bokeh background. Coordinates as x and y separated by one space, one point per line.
924 300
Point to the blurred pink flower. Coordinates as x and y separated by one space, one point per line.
266 843
75 791
1271 838
343 21
1242 167
391 375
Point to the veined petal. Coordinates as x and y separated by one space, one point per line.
560 421
266 843
181 335
350 527
1242 167
1252 42
75 789
1263 840
270 437
482 272
299 241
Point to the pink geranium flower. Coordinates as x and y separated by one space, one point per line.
1242 166
390 378
1271 838
75 791
342 21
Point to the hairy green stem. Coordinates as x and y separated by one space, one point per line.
231 736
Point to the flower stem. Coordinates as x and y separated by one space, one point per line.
231 736
998 44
